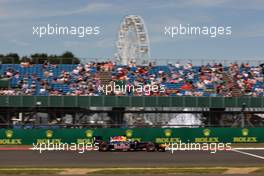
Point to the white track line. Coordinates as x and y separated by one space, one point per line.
249 154
248 148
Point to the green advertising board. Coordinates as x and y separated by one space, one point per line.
159 135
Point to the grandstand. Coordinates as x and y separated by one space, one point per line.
178 80
194 95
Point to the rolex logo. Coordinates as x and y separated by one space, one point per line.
245 132
89 133
168 132
9 133
206 132
129 133
49 133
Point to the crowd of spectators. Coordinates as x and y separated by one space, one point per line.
172 80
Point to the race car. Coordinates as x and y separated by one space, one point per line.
122 143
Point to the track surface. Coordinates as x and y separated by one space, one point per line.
146 175
127 159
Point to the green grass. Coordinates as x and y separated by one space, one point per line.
261 170
29 171
159 171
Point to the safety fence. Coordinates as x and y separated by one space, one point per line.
130 101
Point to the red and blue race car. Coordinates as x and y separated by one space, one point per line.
122 143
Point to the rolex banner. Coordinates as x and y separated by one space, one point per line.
158 135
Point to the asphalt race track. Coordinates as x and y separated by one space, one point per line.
128 159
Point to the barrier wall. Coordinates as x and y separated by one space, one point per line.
129 101
5 83
159 135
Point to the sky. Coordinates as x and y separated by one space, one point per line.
17 17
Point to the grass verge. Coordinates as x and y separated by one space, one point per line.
29 171
160 171
261 170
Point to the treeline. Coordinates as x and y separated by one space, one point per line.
40 58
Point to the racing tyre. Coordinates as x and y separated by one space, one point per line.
103 147
150 147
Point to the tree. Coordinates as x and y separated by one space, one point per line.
67 54
39 56
14 56
11 58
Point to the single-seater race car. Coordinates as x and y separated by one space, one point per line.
122 143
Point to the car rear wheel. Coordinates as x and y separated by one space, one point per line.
150 147
103 147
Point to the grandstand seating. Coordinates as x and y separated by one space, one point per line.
178 80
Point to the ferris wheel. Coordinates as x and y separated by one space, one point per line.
133 41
